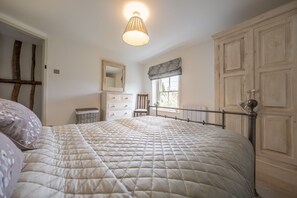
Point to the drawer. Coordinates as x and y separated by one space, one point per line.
119 106
118 114
114 97
127 98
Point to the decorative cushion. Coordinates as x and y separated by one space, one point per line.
19 123
11 161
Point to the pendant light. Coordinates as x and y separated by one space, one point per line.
135 33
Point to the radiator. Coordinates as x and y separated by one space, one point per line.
195 115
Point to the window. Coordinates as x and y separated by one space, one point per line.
166 91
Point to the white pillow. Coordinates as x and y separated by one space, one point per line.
19 123
11 161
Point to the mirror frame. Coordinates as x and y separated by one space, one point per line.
103 83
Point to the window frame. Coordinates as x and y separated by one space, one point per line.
156 96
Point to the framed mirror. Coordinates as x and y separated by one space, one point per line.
113 76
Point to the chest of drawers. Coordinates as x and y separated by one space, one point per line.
116 105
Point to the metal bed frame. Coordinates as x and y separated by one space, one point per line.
250 113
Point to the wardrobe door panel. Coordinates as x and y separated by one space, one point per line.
275 89
273 48
276 132
275 75
235 79
233 55
233 90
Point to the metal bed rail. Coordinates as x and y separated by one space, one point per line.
223 113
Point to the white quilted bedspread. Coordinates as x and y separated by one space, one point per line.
138 157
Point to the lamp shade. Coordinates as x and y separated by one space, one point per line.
135 33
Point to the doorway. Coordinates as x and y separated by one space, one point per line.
22 68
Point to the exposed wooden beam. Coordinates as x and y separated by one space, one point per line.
15 92
25 82
33 62
16 69
32 94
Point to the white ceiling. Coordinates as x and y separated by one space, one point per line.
100 23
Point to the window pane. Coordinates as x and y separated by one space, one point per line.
164 84
173 99
154 92
167 92
174 83
163 99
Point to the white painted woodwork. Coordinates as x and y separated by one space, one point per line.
116 105
261 54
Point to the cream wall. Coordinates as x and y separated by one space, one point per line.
197 79
79 83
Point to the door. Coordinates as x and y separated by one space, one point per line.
235 76
275 82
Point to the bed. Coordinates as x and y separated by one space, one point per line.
138 157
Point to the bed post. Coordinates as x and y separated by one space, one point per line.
252 116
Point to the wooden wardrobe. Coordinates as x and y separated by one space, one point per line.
259 57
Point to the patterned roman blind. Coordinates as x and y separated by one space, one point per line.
167 69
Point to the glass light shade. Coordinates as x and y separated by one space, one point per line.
135 33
